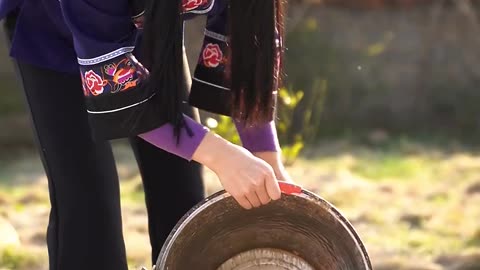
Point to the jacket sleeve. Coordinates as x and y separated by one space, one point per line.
210 90
104 38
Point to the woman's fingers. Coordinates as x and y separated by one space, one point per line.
272 187
263 197
253 199
262 181
243 201
260 192
250 180
261 189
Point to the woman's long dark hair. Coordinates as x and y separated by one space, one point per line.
255 56
163 56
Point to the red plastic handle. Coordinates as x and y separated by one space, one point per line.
289 188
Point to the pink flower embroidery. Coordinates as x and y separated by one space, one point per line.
93 82
212 55
192 4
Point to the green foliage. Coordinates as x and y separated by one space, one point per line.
15 259
312 63
287 102
291 152
359 81
224 127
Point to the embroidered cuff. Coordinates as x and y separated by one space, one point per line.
118 103
210 90
118 74
197 6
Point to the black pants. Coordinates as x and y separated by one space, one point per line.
85 226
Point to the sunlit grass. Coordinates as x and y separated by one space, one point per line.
131 191
387 166
404 198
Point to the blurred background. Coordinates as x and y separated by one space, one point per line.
379 114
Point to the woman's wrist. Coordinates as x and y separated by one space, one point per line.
163 137
213 150
273 158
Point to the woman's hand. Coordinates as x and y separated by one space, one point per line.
249 179
275 160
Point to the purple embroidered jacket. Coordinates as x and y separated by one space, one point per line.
99 38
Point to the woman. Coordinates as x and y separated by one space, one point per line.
130 92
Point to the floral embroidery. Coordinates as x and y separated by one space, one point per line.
212 55
192 4
94 82
120 74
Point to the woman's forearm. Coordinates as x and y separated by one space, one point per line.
203 146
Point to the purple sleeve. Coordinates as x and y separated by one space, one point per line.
163 138
91 23
261 138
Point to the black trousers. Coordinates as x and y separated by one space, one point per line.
85 225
